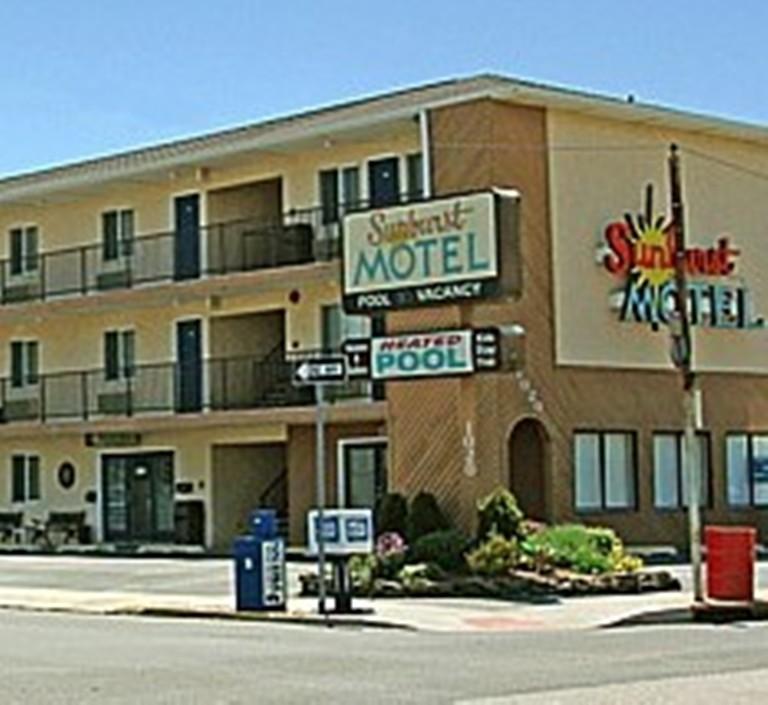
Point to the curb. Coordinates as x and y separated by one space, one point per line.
707 613
291 618
297 618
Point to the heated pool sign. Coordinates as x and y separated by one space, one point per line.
421 254
415 355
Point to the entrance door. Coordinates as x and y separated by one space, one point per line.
187 237
363 480
189 366
527 467
138 497
383 182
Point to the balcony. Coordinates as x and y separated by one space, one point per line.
219 384
244 245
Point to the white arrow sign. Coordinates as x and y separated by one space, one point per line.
321 371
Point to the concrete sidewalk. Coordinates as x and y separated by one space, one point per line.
424 614
203 589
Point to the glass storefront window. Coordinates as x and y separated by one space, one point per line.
747 469
363 476
587 456
670 486
605 469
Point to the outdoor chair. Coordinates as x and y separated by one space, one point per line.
10 525
70 526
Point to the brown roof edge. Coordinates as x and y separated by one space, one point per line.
379 107
188 149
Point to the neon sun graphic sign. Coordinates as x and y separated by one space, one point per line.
642 252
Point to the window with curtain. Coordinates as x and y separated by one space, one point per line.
117 233
415 174
25 478
119 354
746 457
23 248
670 486
605 470
337 326
25 362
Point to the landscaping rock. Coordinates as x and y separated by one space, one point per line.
418 581
387 588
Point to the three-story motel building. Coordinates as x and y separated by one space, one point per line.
152 302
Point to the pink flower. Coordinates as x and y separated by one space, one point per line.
390 544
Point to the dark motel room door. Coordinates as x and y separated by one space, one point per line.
189 372
187 237
384 182
138 497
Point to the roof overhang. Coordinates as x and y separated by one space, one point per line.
369 116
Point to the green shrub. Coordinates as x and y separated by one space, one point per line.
425 516
582 549
392 514
445 549
499 513
497 555
362 571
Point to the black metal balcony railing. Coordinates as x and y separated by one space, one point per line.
301 236
236 246
219 384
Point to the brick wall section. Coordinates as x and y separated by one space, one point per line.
483 144
475 146
301 470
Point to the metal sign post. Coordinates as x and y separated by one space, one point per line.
320 489
318 372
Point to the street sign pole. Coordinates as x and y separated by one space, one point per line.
320 478
319 371
682 349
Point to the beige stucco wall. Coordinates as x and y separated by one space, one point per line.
192 463
598 172
74 219
240 474
76 342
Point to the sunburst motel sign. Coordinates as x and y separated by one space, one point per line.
440 251
641 253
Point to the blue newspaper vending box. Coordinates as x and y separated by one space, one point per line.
260 580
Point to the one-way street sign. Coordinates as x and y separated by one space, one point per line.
321 370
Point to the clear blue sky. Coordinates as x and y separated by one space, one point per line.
80 78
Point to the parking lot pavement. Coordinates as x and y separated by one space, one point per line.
207 577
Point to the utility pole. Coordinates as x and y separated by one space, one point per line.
682 357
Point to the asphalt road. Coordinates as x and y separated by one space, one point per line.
57 658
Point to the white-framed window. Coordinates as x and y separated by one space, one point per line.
670 488
414 174
351 194
337 326
23 247
604 470
340 192
119 354
25 363
746 456
362 471
25 477
117 233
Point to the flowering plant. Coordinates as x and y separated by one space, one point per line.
389 545
390 554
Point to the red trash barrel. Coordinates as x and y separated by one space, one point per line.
730 562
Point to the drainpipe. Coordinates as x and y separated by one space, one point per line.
426 154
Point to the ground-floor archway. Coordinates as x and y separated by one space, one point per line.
527 458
